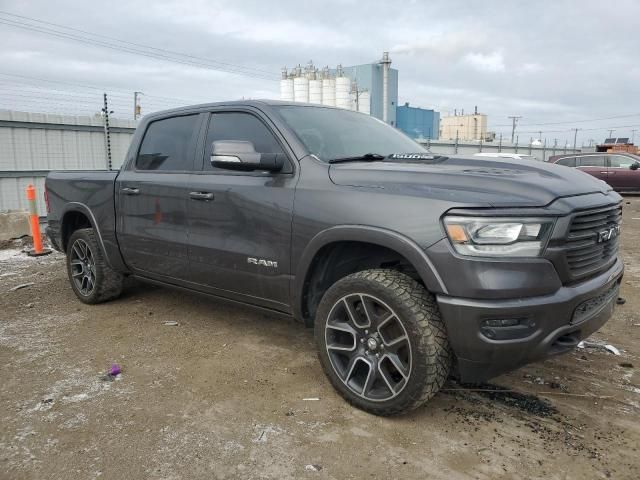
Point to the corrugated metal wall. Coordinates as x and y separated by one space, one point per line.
32 144
418 122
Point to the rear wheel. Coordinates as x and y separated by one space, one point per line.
381 341
91 278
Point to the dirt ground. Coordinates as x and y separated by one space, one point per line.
222 395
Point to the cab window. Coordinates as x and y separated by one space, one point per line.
168 144
620 161
241 126
591 161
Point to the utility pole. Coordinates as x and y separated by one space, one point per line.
575 137
611 133
515 119
136 106
633 135
107 137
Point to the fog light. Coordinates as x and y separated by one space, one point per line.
502 322
507 328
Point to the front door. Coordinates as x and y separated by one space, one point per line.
622 176
153 196
240 227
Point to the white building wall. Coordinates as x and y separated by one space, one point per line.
468 127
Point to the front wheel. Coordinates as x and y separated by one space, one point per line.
92 279
382 342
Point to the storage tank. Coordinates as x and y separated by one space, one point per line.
328 88
315 88
364 102
286 87
301 89
343 92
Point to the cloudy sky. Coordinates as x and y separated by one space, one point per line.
559 64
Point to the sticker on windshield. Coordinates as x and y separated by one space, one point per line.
411 156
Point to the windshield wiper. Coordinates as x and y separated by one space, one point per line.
367 157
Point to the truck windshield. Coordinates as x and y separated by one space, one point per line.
330 133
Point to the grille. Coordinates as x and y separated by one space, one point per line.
586 252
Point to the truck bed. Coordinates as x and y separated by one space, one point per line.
89 192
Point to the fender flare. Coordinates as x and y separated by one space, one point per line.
366 234
86 211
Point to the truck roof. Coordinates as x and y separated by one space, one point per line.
238 103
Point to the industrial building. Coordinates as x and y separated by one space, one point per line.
369 88
419 123
464 127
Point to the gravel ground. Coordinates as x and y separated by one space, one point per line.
226 393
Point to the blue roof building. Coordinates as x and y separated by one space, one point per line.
418 122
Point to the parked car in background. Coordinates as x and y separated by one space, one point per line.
620 170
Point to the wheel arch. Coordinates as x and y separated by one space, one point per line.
78 215
317 255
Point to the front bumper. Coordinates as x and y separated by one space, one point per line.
490 337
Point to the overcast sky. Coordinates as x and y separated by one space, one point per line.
548 61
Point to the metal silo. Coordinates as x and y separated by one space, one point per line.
328 88
286 87
343 90
301 89
315 88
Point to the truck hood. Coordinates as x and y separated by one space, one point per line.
499 182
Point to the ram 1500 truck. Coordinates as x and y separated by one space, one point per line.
409 266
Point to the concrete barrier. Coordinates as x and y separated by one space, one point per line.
14 224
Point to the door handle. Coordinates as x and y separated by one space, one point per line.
130 191
201 195
604 173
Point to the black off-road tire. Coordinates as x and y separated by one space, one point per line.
418 311
108 283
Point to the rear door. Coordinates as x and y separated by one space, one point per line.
240 236
593 165
152 199
621 176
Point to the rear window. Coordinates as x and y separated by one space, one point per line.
567 162
168 144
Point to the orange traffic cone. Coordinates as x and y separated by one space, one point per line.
35 225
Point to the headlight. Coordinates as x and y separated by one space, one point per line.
498 237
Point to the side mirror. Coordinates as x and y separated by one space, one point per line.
634 166
241 155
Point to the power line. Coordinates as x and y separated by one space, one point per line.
571 121
138 49
231 65
612 128
126 93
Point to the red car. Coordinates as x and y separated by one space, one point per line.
620 170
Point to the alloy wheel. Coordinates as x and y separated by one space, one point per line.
368 347
83 267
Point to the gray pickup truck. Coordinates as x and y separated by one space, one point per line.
409 266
